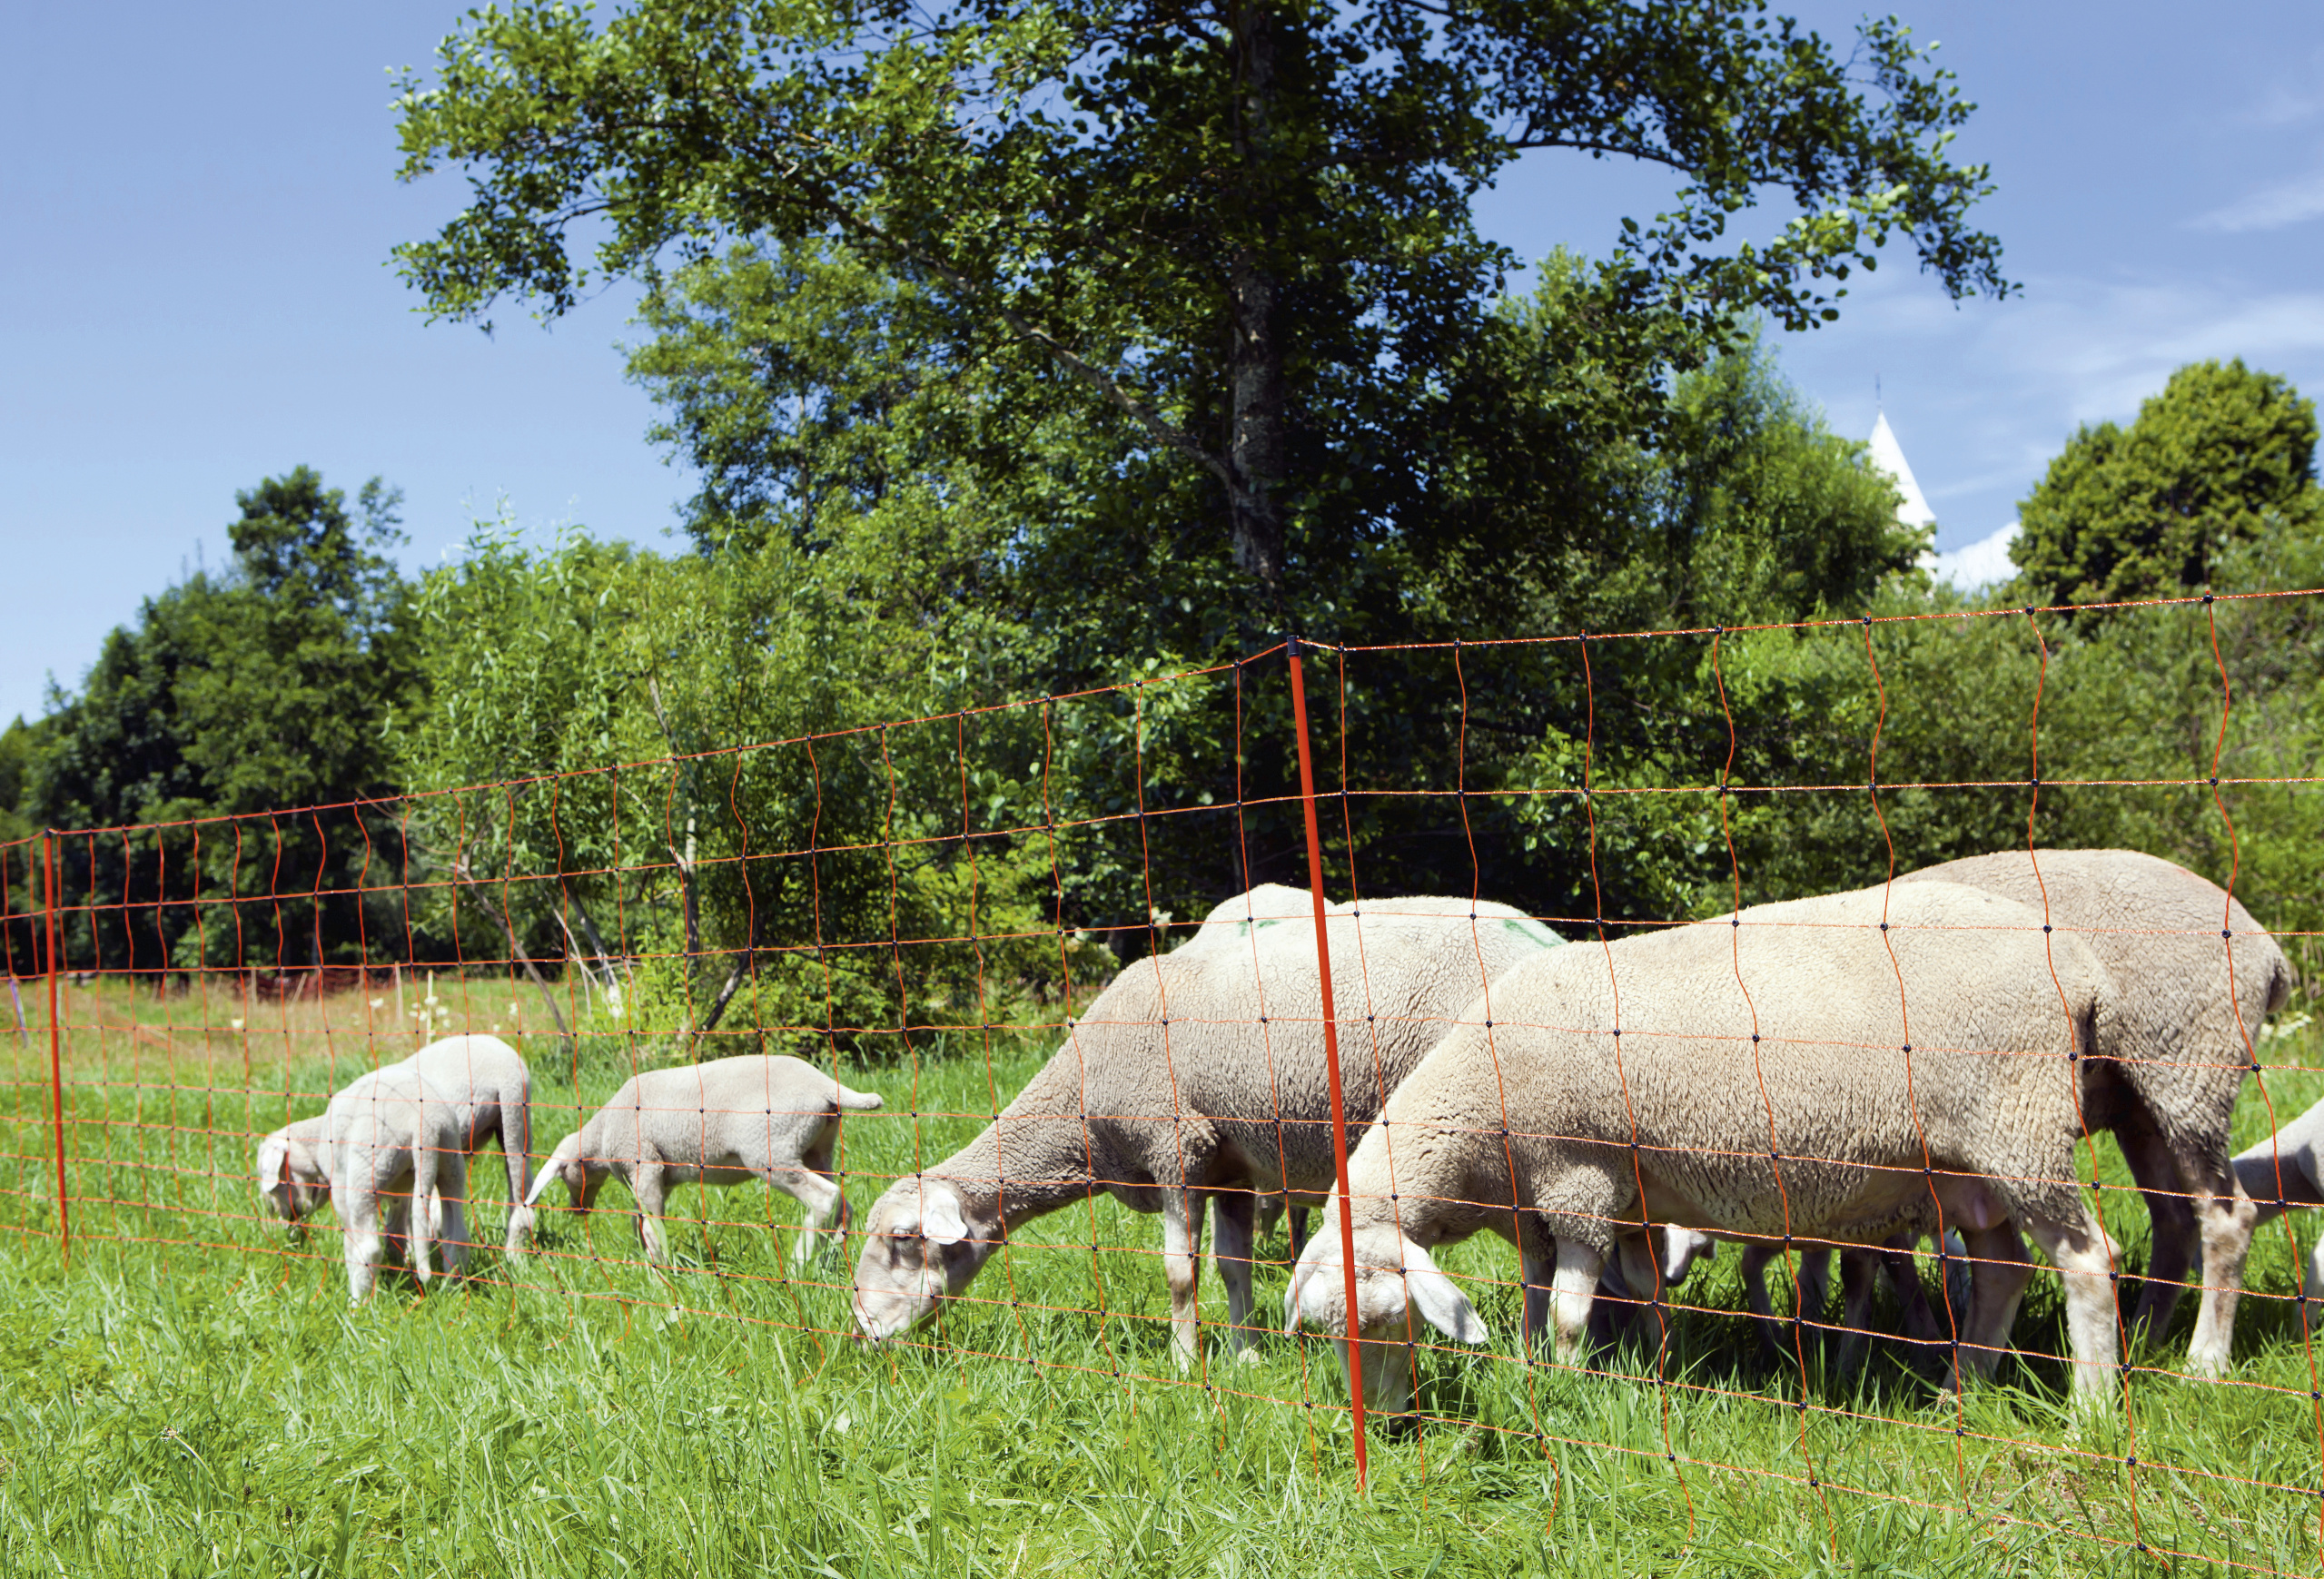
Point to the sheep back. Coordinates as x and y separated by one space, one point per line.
2185 1000
1217 1048
1959 975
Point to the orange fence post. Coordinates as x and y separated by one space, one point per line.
55 1046
1330 1055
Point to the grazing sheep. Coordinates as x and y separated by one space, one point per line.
764 1117
389 1139
2287 1170
490 1090
2172 1053
1734 1077
293 1179
2192 976
1197 1075
487 1083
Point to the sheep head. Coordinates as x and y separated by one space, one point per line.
1396 1278
290 1180
924 1240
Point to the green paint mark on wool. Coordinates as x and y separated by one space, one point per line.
1526 927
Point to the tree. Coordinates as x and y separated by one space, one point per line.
241 694
1552 506
1241 232
2223 455
661 773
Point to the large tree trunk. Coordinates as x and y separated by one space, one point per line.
1256 420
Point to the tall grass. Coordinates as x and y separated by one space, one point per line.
192 1394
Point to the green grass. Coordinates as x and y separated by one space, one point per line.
193 1396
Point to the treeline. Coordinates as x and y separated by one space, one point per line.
883 583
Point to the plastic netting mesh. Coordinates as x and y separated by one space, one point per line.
887 905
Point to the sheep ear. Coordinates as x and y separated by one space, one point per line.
273 1156
1682 1248
1310 1262
1440 1305
1292 1299
939 1218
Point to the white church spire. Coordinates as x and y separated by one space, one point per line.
1889 456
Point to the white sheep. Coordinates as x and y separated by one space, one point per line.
1824 1067
388 1140
490 1090
1197 1075
2191 977
2174 1031
2285 1171
770 1117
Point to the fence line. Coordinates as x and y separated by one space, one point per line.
906 939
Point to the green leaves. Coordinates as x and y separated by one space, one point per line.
2223 456
272 686
1236 246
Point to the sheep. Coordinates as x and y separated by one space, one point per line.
1197 1074
2172 1050
2175 1036
1593 1089
1229 926
388 1137
765 1117
490 1090
2287 1170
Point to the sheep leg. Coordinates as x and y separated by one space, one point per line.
1183 1267
2227 1216
646 1183
813 1185
2176 1236
1296 1216
450 1200
396 1223
2078 1249
1231 1214
1536 1262
827 1211
1575 1285
1996 1286
1859 1271
357 1203
1810 1272
516 1151
2312 1287
423 1191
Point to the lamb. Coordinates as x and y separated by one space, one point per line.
490 1090
2287 1170
765 1117
1197 1075
387 1140
1593 1092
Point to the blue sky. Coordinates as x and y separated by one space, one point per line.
200 201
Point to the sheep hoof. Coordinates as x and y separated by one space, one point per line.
2206 1365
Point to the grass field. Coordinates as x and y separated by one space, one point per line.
191 1395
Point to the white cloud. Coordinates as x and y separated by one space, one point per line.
2271 208
1981 564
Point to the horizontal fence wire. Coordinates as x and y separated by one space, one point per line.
986 952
